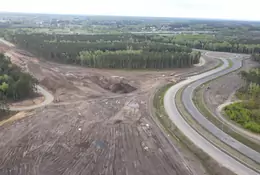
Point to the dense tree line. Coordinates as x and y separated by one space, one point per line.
211 42
112 51
247 113
14 84
75 37
225 46
137 59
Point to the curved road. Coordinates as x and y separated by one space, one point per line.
48 98
191 108
171 109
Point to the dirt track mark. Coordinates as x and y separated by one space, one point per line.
48 98
57 151
90 130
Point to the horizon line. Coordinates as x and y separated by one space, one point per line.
134 16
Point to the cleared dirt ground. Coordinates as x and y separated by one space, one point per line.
223 88
99 124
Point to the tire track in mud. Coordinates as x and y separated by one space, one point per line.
84 137
55 145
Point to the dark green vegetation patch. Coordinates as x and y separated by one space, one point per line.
247 112
14 84
107 51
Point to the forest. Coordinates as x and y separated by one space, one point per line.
213 42
247 112
136 43
129 42
107 51
14 84
132 51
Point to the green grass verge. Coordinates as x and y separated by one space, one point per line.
200 104
212 167
211 138
209 163
226 148
244 115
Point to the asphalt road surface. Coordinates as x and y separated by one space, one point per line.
191 108
171 109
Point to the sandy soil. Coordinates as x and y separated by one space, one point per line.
99 123
221 89
28 102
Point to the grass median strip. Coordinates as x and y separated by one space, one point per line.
229 150
211 138
177 136
212 166
200 104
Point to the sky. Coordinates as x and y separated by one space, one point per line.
216 9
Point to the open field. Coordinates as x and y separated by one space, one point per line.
99 123
108 115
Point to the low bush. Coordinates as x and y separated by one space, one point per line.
246 114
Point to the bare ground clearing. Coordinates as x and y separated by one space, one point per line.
220 90
99 123
28 102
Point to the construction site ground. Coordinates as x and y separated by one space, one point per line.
222 89
98 124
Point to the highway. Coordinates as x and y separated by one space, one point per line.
191 108
170 106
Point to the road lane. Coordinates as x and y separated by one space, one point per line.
171 109
195 113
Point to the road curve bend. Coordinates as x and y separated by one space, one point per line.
203 121
48 98
173 113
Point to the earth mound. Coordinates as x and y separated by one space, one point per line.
114 84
